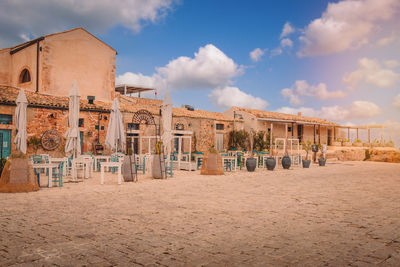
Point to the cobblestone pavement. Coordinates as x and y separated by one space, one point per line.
343 214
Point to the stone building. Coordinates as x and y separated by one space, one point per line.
45 68
50 63
280 125
48 112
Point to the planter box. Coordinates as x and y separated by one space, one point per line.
358 144
336 144
347 144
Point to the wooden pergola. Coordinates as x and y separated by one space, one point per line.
365 127
126 89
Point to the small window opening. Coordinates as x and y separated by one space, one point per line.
25 76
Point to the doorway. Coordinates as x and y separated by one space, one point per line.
329 137
300 133
5 139
219 144
132 142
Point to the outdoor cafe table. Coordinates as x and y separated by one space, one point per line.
48 166
118 165
99 158
58 160
87 166
232 160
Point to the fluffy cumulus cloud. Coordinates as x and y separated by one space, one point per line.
371 72
301 88
345 25
208 69
287 29
232 96
256 54
357 110
396 101
20 20
286 42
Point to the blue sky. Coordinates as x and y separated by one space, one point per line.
337 60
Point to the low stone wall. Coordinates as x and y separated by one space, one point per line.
386 154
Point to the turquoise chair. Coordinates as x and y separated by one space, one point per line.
227 166
37 159
114 158
168 169
141 167
58 174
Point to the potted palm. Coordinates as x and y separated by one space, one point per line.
286 161
322 158
307 147
251 163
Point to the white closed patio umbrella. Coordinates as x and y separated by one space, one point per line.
166 113
115 138
73 144
20 121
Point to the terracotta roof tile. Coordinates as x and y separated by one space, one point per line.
283 116
183 112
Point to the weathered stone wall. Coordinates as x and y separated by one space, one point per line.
63 58
41 119
5 65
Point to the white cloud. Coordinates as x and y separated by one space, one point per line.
286 42
287 29
208 69
19 19
345 25
232 96
357 110
256 54
391 63
302 88
370 71
276 52
396 101
387 40
364 109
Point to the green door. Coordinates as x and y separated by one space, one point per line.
81 139
5 135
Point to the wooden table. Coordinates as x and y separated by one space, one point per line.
110 164
48 166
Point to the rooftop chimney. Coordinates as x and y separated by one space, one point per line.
299 114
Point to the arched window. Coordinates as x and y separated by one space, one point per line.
179 126
25 76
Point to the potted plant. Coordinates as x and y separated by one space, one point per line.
336 142
346 142
270 161
251 163
307 147
34 142
286 161
322 158
357 143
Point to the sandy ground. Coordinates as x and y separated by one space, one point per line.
347 213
